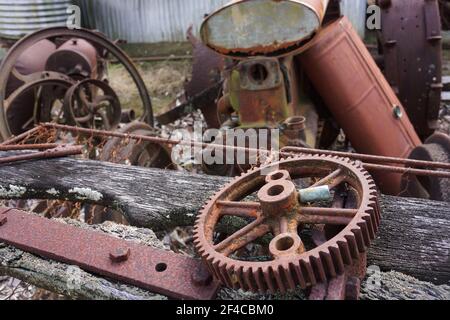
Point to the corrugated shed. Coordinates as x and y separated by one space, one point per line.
146 20
167 20
20 17
355 10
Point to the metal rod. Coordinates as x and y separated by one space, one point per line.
283 153
370 158
17 147
20 137
48 154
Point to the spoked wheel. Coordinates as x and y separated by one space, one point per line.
282 211
58 36
92 104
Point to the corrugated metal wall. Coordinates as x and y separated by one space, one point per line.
167 20
146 20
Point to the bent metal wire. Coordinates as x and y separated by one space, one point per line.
370 162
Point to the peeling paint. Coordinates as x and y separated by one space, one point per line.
12 191
86 194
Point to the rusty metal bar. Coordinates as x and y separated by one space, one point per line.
48 154
18 147
370 158
21 137
370 167
159 271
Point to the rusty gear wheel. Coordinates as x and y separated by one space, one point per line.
281 218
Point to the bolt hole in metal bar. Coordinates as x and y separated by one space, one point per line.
286 152
159 271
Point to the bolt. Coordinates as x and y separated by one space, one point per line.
119 255
3 220
398 113
201 277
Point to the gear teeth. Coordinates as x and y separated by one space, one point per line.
229 276
370 223
319 269
279 280
259 278
365 234
240 279
345 251
359 239
353 246
268 277
330 267
338 261
309 273
299 275
288 276
249 280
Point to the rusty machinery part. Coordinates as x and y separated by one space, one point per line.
435 148
207 98
246 28
361 96
76 58
159 271
58 152
346 286
444 8
206 73
32 60
284 211
257 93
262 92
37 146
48 90
138 152
130 152
98 40
373 163
413 65
23 137
92 103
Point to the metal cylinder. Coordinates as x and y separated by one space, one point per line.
356 92
21 17
249 28
30 61
76 58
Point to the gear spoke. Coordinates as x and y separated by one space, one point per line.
243 237
332 180
240 209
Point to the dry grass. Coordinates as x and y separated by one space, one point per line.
164 81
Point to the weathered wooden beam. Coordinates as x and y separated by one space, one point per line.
413 239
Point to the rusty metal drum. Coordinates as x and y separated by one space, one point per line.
266 27
359 97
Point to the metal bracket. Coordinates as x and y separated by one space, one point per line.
159 271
